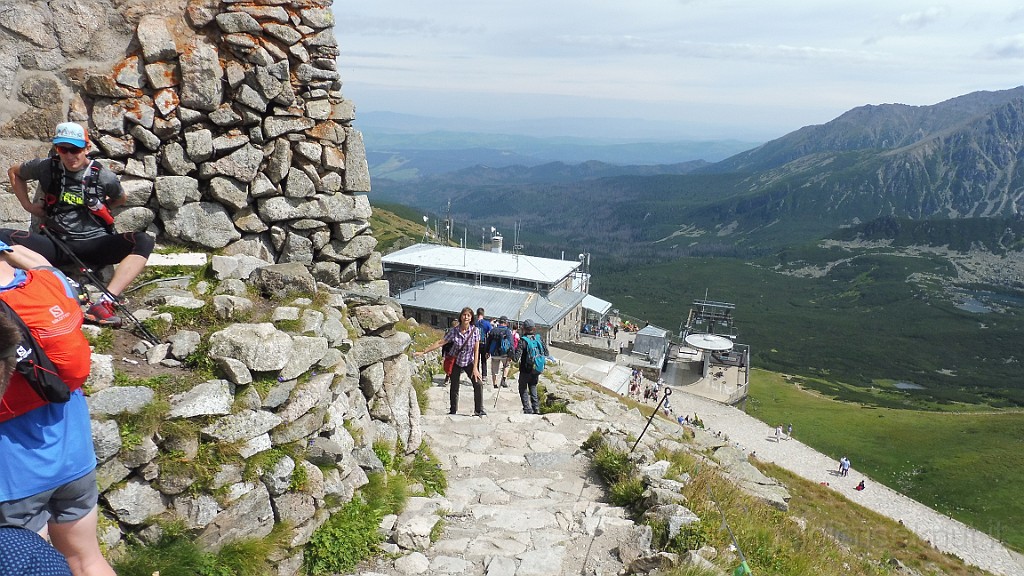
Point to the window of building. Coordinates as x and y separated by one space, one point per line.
433 319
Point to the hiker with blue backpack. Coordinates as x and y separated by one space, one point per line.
532 354
499 348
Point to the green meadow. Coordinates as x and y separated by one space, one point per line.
873 318
964 463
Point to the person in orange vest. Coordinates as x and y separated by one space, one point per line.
48 476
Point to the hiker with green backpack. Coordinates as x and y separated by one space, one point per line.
532 354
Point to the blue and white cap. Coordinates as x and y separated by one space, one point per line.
71 133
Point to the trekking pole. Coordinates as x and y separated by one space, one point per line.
91 275
668 392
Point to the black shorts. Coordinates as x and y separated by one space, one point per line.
97 252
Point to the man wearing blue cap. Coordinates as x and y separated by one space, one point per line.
78 193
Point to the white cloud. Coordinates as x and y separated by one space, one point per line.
740 63
922 18
1011 47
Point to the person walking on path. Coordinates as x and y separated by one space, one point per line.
844 466
78 195
789 431
448 355
499 348
465 339
530 344
48 476
483 325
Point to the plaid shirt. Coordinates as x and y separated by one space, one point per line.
464 344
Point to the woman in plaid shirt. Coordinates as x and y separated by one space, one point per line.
465 341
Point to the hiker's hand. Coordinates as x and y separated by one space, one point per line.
36 209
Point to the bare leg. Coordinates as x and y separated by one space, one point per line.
77 541
125 272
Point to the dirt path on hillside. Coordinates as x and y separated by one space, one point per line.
945 533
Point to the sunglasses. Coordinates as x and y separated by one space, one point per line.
69 149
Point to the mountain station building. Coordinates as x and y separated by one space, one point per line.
434 282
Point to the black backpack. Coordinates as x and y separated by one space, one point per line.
34 365
501 341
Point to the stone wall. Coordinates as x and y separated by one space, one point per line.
605 353
225 120
227 126
286 434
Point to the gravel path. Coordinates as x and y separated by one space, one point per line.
754 436
945 533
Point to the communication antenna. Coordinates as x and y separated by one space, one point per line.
448 224
516 246
426 228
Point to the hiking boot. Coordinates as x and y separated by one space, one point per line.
103 314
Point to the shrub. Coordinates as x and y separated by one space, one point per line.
424 468
594 441
549 403
612 465
176 554
628 493
350 536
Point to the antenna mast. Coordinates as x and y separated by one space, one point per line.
448 221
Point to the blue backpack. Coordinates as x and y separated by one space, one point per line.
535 353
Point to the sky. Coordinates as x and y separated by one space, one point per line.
679 69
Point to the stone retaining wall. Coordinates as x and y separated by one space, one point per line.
608 354
226 123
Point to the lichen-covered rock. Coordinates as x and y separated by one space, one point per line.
261 347
201 75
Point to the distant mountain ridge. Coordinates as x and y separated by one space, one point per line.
957 159
407 156
881 127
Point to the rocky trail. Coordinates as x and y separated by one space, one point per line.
522 500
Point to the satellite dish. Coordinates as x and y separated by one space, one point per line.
424 219
492 229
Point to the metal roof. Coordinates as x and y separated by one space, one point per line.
519 305
596 304
652 330
505 264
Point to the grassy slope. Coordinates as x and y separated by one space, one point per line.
966 465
